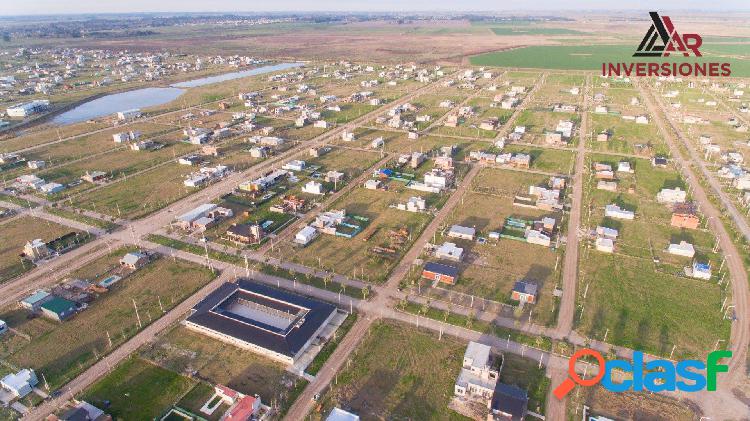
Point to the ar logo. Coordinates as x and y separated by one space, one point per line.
670 41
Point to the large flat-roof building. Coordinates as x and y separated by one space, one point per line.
271 322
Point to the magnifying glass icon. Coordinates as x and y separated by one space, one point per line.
566 386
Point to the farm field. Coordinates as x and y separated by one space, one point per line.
583 57
63 350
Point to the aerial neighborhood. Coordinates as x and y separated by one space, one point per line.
344 216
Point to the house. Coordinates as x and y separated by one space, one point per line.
58 308
684 249
334 176
3 327
524 292
701 271
305 235
413 204
372 184
449 251
190 160
21 383
128 115
36 249
606 185
624 166
27 109
509 403
120 137
34 301
245 233
671 196
614 211
466 233
537 237
478 376
439 272
602 137
606 245
294 165
36 165
313 187
338 414
84 411
94 176
684 216
134 260
606 232
659 161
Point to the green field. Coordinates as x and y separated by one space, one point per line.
138 390
534 31
586 57
398 372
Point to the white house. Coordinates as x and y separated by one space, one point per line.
449 251
605 245
671 196
614 211
128 114
305 235
19 384
684 249
466 233
478 377
372 184
537 237
313 187
3 327
294 165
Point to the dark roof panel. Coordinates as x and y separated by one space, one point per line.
288 342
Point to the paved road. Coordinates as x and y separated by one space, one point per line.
570 263
721 404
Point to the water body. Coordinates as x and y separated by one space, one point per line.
151 97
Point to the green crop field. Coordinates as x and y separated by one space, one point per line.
526 30
588 57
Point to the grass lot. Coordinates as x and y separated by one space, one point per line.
527 375
138 390
183 351
63 350
585 57
556 161
624 135
650 311
398 372
139 195
15 233
94 222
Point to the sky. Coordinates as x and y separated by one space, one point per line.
35 7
